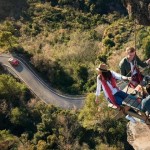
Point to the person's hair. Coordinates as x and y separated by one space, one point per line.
130 49
107 75
148 88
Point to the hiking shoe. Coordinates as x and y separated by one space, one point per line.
128 117
142 121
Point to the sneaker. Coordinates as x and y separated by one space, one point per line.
142 121
128 117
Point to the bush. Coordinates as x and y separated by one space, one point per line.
147 49
146 46
103 57
108 42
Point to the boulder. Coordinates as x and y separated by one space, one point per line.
138 135
139 10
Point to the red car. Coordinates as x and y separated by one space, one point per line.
13 61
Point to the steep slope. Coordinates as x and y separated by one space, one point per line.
39 87
139 9
12 8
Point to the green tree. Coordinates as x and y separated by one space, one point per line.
8 140
80 76
93 113
47 123
88 114
41 145
10 89
108 42
19 116
7 38
146 46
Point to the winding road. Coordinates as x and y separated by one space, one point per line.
39 87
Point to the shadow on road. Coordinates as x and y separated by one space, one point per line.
19 68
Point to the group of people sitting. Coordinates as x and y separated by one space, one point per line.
106 81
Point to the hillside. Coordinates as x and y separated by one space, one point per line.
12 8
139 10
64 41
63 34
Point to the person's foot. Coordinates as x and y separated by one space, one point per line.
142 121
147 122
128 117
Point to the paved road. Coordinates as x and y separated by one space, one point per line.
39 87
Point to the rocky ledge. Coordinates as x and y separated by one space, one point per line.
138 135
139 9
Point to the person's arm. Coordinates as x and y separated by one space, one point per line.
120 77
126 78
98 89
148 61
140 62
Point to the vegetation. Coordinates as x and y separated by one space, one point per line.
65 41
35 125
66 37
69 36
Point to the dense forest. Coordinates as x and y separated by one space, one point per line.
64 41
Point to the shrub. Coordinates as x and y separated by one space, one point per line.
146 46
108 42
103 58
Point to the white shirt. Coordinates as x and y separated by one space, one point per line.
133 71
99 84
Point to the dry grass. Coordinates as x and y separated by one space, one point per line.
80 48
114 60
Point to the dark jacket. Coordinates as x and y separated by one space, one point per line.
145 105
125 68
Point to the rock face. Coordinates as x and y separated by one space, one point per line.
12 8
139 9
139 135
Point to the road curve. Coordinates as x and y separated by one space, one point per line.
39 87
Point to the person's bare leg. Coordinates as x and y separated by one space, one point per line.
123 110
126 108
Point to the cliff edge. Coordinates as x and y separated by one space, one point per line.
138 135
139 9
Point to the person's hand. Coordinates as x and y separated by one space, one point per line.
148 61
126 78
129 78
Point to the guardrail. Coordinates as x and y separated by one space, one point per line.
14 73
32 90
45 84
76 97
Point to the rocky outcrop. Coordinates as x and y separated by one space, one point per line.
12 8
139 135
139 9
